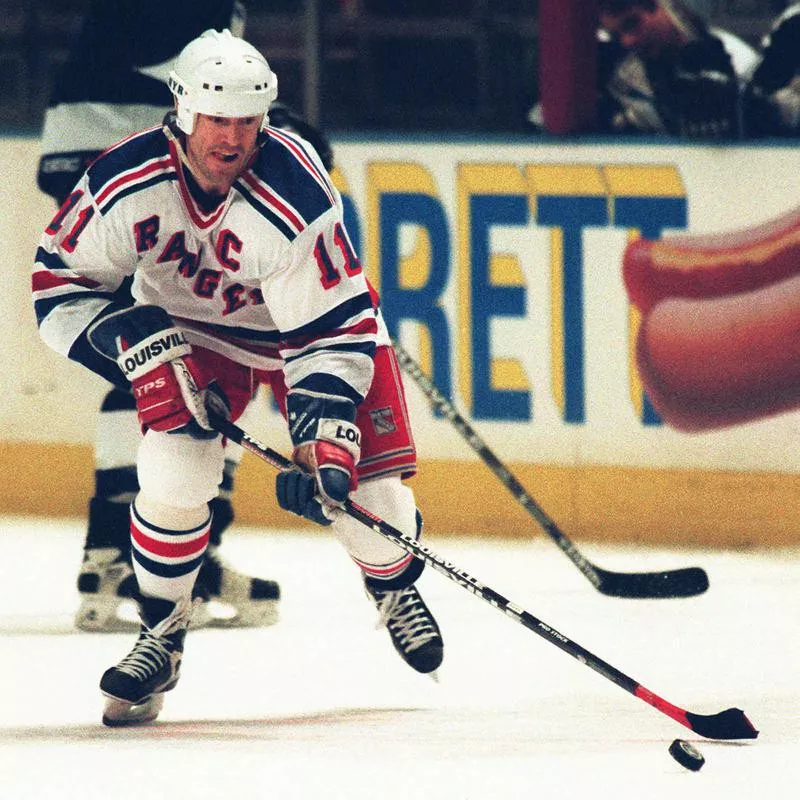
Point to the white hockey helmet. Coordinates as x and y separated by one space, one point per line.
221 75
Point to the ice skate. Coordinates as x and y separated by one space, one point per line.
107 587
237 600
106 583
414 632
134 688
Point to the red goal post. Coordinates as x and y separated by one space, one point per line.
568 64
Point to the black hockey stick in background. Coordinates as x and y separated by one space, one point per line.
729 724
685 582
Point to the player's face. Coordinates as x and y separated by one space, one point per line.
219 148
646 33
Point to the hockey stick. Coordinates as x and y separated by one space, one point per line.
729 724
684 582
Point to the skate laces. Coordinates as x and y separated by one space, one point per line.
153 649
406 616
149 654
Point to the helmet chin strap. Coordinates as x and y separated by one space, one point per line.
174 137
169 129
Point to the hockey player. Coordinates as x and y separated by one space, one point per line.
242 273
113 84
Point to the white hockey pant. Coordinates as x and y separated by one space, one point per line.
179 475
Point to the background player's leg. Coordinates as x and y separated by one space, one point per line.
106 580
250 601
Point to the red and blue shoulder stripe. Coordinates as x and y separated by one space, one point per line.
285 185
136 163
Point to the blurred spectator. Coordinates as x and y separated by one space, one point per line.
772 100
663 70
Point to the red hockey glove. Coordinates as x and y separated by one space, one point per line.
171 390
172 398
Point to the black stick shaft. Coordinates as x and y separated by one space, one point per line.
684 582
505 475
729 724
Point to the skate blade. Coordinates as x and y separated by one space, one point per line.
120 713
247 614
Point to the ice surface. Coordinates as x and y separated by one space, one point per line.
320 707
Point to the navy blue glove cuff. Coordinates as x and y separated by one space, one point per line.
305 411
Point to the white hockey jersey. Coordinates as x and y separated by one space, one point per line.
268 278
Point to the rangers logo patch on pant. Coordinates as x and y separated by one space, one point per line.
383 421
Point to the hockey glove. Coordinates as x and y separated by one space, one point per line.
327 448
170 389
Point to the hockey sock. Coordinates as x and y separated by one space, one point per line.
394 502
383 580
167 556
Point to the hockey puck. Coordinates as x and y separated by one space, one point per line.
686 755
